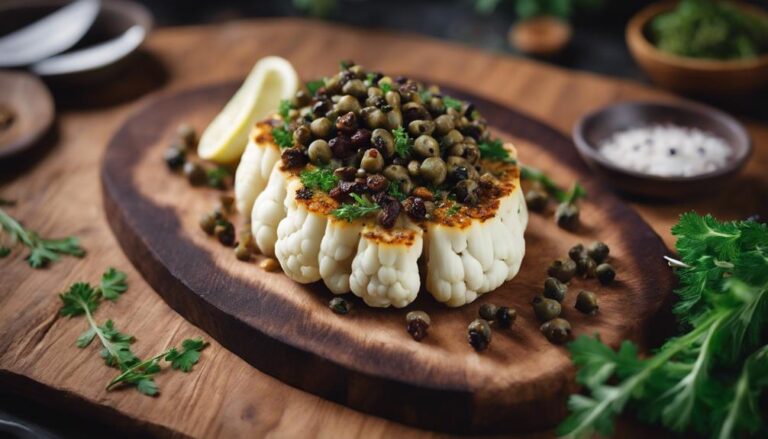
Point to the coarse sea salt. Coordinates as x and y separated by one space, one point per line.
666 150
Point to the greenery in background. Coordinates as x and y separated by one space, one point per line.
710 29
41 250
84 299
317 8
534 8
710 378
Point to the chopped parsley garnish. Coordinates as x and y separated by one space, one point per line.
370 79
359 209
285 108
426 95
453 210
112 284
314 86
41 250
494 150
283 138
385 87
402 142
216 177
395 190
345 64
452 103
319 178
535 175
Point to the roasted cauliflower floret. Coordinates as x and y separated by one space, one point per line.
255 167
268 210
337 250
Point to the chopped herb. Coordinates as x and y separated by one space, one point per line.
402 142
283 138
319 178
112 284
314 86
216 177
345 64
426 95
359 209
370 79
395 190
452 103
385 87
453 210
41 250
494 150
533 174
188 356
576 192
284 109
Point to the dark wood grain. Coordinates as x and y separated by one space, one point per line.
366 360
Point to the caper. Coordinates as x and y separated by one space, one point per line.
546 309
586 267
226 204
488 311
576 252
567 216
471 152
562 269
393 99
302 135
505 316
414 111
414 167
375 118
554 289
451 138
605 273
302 98
269 264
187 135
225 232
333 84
419 127
433 170
195 174
372 161
348 103
444 124
536 199
375 92
396 173
479 334
208 222
426 146
321 127
417 324
174 157
598 251
394 119
586 302
435 105
243 252
466 192
340 305
383 141
355 88
557 331
357 71
319 152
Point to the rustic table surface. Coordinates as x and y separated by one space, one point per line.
59 194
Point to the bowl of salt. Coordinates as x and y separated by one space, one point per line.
662 150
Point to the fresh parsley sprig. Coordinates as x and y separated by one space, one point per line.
314 86
42 251
450 102
708 379
403 142
319 178
395 190
352 211
283 137
285 108
494 150
536 175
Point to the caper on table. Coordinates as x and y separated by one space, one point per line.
487 311
598 251
505 316
567 216
175 157
586 302
562 269
195 174
417 324
536 199
605 273
546 309
479 334
208 222
557 331
577 252
225 232
187 135
586 267
554 289
340 305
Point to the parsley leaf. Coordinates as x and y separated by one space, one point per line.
188 356
112 284
319 178
453 210
283 138
285 108
41 250
314 86
494 150
402 142
80 299
385 87
535 175
361 208
452 103
216 177
395 190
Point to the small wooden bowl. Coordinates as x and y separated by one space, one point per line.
704 77
31 107
592 129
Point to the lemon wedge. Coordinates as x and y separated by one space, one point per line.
271 80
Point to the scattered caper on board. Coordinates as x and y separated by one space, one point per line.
175 157
208 222
557 331
505 316
605 273
195 174
546 309
536 199
340 305
487 311
554 289
187 135
479 334
417 324
567 216
562 269
598 251
269 264
586 267
577 252
224 232
586 302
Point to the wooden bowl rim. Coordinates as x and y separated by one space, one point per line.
588 151
637 40
43 99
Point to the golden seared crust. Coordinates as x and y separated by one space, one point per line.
397 236
262 133
319 202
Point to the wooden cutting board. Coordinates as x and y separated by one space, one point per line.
366 360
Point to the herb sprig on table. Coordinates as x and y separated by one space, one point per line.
42 251
709 378
84 299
